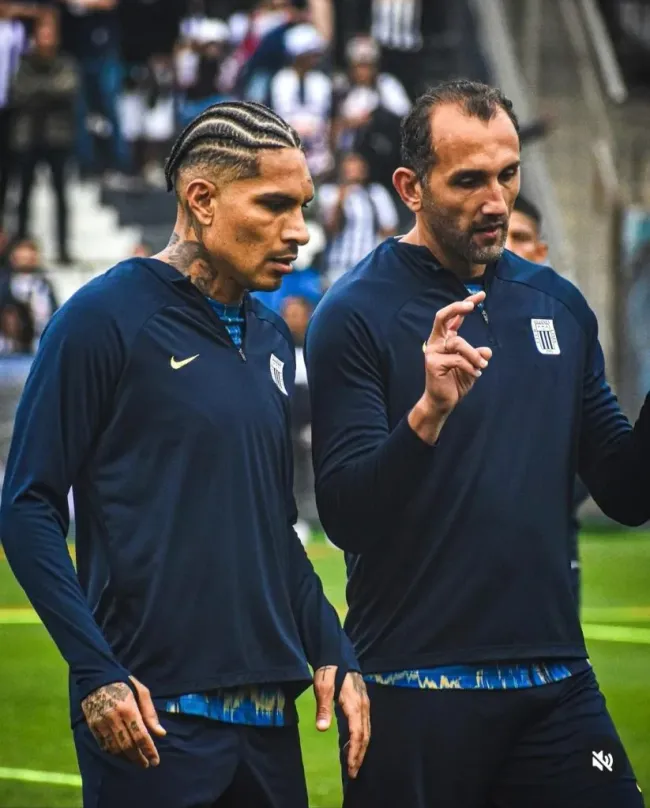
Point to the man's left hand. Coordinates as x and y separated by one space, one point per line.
355 704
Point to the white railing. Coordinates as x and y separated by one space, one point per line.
610 70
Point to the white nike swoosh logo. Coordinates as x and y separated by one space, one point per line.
178 364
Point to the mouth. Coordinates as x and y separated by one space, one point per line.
490 232
282 263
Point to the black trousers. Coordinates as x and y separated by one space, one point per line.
203 764
56 159
553 746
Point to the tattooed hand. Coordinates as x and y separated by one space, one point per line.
121 724
355 704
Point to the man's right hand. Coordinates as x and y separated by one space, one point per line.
121 725
452 366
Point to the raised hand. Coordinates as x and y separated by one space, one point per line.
452 366
121 725
355 704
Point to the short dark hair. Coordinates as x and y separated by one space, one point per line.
529 209
24 242
476 99
229 135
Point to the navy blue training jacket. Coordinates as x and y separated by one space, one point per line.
458 552
190 576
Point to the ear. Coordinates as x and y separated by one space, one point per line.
409 188
200 196
542 252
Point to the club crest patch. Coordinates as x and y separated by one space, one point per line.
545 336
277 373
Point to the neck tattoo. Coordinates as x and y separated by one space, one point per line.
191 257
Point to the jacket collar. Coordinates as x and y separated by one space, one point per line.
423 260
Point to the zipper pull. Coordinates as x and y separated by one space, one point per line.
242 354
485 316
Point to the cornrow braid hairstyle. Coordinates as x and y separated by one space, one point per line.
229 135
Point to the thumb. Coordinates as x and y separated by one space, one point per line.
147 710
323 712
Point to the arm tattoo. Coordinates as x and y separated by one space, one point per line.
102 701
323 671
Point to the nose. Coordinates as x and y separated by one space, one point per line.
295 230
495 203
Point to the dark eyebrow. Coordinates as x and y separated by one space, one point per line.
278 198
471 173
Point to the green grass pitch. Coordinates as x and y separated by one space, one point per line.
35 739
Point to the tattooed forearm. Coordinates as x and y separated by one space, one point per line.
102 701
321 673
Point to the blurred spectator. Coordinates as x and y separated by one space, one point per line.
147 115
302 95
398 26
363 90
357 215
142 250
247 32
370 105
524 232
27 284
5 243
199 63
16 328
418 38
92 35
139 38
43 97
296 312
12 44
321 15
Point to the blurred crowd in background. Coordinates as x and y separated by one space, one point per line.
97 90
100 88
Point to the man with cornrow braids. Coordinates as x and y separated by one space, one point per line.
160 394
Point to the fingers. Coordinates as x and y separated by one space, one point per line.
457 345
455 312
105 740
356 707
113 737
113 716
143 741
324 679
129 747
147 710
441 364
357 733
